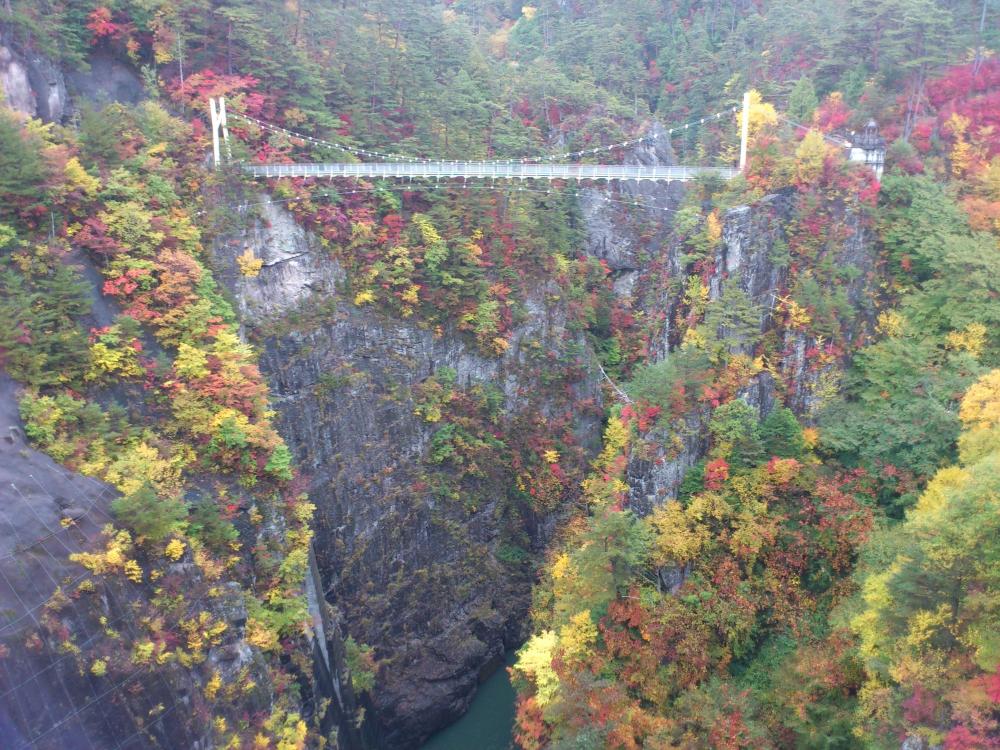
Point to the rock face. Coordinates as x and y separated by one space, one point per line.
749 235
751 239
418 576
748 255
291 270
32 85
106 80
47 513
14 86
621 236
48 699
654 478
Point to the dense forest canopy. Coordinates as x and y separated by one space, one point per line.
828 574
481 78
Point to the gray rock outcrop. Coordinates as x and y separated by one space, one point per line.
417 575
636 245
33 85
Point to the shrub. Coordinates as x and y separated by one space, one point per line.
736 433
151 517
782 434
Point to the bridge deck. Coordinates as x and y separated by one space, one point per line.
490 170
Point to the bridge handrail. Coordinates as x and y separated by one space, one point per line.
479 170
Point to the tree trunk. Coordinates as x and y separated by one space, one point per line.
298 23
180 63
913 104
979 41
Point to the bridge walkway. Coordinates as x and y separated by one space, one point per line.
490 170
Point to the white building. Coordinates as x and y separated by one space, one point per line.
868 147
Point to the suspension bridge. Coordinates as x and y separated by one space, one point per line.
489 170
401 166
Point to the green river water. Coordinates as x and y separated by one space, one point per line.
488 723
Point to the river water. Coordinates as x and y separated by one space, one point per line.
489 722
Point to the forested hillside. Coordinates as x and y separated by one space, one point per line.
720 459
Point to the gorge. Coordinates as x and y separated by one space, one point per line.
323 463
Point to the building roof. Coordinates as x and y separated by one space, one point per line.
869 138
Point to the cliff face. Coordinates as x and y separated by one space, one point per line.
68 675
626 240
744 258
51 696
35 86
37 496
32 85
425 577
749 255
752 238
55 623
636 247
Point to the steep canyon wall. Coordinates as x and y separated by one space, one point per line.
427 579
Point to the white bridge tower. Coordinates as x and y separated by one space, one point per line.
217 114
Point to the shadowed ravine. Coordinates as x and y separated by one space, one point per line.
488 723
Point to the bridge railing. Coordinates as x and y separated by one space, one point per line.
490 170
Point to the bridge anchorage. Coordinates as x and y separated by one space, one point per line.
415 167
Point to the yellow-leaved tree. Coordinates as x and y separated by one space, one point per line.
928 617
762 114
810 157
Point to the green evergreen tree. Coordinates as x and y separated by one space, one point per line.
41 342
660 382
22 169
802 100
734 319
693 482
100 134
903 407
7 237
149 515
735 430
782 434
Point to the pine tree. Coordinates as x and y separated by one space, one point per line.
40 344
734 319
100 135
150 516
736 433
802 100
782 434
22 170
